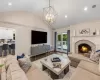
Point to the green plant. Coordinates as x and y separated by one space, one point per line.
1 65
64 37
59 37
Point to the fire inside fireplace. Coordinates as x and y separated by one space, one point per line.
84 48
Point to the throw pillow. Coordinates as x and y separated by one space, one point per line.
19 57
25 64
95 56
98 51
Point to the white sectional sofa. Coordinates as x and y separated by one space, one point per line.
12 71
86 69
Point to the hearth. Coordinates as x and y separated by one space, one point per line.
84 48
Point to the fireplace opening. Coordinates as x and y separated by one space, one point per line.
84 48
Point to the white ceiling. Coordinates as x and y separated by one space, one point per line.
74 9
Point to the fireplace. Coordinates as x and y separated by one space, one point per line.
84 48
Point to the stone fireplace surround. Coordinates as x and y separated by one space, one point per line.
91 44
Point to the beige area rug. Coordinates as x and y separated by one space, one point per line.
66 77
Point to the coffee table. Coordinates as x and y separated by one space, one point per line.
56 73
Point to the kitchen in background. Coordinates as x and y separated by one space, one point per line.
7 41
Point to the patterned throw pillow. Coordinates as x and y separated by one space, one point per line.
25 64
95 56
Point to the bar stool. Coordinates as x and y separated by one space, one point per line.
5 49
9 49
13 49
0 51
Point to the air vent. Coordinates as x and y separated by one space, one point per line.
94 6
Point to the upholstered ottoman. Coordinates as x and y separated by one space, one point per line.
74 61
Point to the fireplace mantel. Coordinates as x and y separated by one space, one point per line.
87 36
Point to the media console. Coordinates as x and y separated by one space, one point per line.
37 50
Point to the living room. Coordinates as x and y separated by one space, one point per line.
59 45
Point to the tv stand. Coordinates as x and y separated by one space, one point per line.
41 49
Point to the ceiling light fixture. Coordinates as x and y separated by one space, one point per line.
85 8
9 3
49 14
66 16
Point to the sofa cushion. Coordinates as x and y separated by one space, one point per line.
25 64
10 57
82 74
89 66
36 74
79 57
14 72
12 67
3 76
18 75
9 60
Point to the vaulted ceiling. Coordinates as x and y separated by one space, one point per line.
74 9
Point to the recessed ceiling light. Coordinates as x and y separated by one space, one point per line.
9 3
85 8
66 16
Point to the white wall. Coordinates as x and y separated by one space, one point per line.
61 30
23 23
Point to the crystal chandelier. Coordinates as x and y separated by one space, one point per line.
49 14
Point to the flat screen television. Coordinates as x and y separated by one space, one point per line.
38 37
